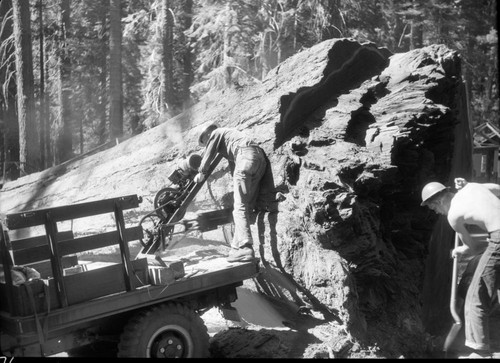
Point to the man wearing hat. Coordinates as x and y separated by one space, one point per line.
247 163
473 204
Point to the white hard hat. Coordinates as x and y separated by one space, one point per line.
430 190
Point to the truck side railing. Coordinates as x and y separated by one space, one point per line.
55 246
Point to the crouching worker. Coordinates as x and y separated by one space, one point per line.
473 204
247 163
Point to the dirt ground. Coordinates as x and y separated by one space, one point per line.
261 334
269 329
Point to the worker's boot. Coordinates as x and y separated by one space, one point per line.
241 254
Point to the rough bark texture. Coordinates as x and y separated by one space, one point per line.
115 70
29 146
65 126
352 133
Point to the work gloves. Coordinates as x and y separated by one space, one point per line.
199 178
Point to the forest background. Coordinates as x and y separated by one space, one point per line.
79 76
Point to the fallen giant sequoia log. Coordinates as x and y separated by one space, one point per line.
353 132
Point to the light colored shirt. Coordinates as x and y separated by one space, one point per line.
475 204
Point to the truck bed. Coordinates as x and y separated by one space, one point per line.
71 302
214 274
204 275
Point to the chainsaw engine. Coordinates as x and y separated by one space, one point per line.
171 203
168 200
186 170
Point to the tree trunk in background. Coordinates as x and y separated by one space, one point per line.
29 145
337 22
64 137
416 20
115 70
103 39
416 36
10 129
265 54
44 140
227 44
167 101
187 20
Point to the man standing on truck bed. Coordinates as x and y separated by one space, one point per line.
247 163
473 204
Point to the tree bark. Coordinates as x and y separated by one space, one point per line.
44 135
416 36
10 128
187 18
103 39
29 144
64 138
168 57
227 45
115 70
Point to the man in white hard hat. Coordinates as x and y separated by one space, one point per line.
247 162
473 204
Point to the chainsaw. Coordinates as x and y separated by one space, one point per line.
171 203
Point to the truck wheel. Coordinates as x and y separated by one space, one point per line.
165 331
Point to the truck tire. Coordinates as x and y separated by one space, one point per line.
166 331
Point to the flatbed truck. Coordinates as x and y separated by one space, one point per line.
150 307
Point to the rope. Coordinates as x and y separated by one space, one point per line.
39 329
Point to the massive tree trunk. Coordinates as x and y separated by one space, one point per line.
115 70
29 143
9 130
43 119
103 75
167 58
352 133
64 130
187 20
226 64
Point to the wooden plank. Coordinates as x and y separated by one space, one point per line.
80 287
124 250
45 269
57 271
37 216
104 281
36 241
69 247
6 264
95 241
